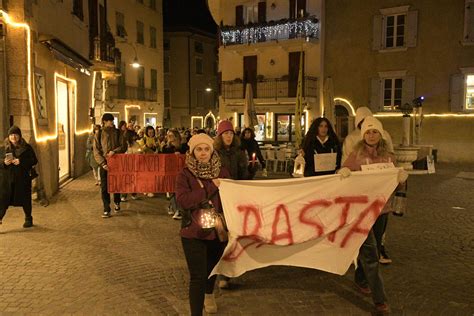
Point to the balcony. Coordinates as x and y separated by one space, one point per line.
306 28
271 88
115 91
105 56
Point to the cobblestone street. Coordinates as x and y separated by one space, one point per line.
75 262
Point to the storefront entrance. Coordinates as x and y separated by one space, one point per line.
62 99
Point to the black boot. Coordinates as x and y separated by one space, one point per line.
28 222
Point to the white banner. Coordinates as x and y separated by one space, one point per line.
316 222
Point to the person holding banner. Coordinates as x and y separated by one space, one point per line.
372 149
107 142
149 142
198 184
321 149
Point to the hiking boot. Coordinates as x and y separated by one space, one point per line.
210 305
28 222
106 214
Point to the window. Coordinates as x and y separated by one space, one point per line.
166 64
395 29
154 79
152 37
78 9
153 4
166 44
199 98
120 24
140 31
392 93
251 14
297 9
198 47
167 97
470 92
141 83
199 66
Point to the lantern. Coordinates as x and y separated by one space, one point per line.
298 170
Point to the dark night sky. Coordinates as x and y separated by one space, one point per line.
188 13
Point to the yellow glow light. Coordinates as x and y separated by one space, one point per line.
235 119
426 115
210 115
269 123
130 106
197 118
306 120
348 103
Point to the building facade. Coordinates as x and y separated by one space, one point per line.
190 70
261 43
386 54
137 94
47 79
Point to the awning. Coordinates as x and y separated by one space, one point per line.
67 55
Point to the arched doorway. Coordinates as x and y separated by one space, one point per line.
210 122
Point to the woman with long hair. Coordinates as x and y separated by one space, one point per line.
198 182
250 145
17 160
320 139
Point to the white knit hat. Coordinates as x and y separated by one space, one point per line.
361 114
371 122
200 139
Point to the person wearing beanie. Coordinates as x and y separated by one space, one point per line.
107 142
198 182
17 160
355 136
370 150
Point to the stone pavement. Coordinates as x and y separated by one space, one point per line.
75 262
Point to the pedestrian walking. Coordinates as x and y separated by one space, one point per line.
198 182
108 142
321 139
90 154
371 149
16 171
250 145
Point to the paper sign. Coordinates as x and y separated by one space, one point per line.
377 166
325 162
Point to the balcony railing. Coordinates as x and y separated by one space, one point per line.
131 93
307 28
276 88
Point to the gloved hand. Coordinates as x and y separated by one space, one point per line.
344 172
402 176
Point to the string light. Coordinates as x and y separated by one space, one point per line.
427 115
212 116
348 103
307 28
197 118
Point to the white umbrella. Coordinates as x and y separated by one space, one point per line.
250 115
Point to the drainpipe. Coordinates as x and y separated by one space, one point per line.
3 86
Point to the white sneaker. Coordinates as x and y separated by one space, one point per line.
177 215
210 305
123 199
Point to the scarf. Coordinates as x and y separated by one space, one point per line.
209 170
16 150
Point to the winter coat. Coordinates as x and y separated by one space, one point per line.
235 161
251 146
367 156
330 146
90 152
355 136
190 195
107 140
15 181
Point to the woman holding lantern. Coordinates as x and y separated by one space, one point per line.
198 185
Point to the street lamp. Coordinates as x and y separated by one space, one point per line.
208 89
135 63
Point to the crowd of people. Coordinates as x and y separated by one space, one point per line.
227 153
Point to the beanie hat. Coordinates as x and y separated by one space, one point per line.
107 117
371 123
361 114
200 139
224 126
14 130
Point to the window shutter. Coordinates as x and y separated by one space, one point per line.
377 32
292 10
408 89
412 28
239 15
469 21
456 93
262 12
375 100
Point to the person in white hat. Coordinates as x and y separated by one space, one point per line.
371 149
355 136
